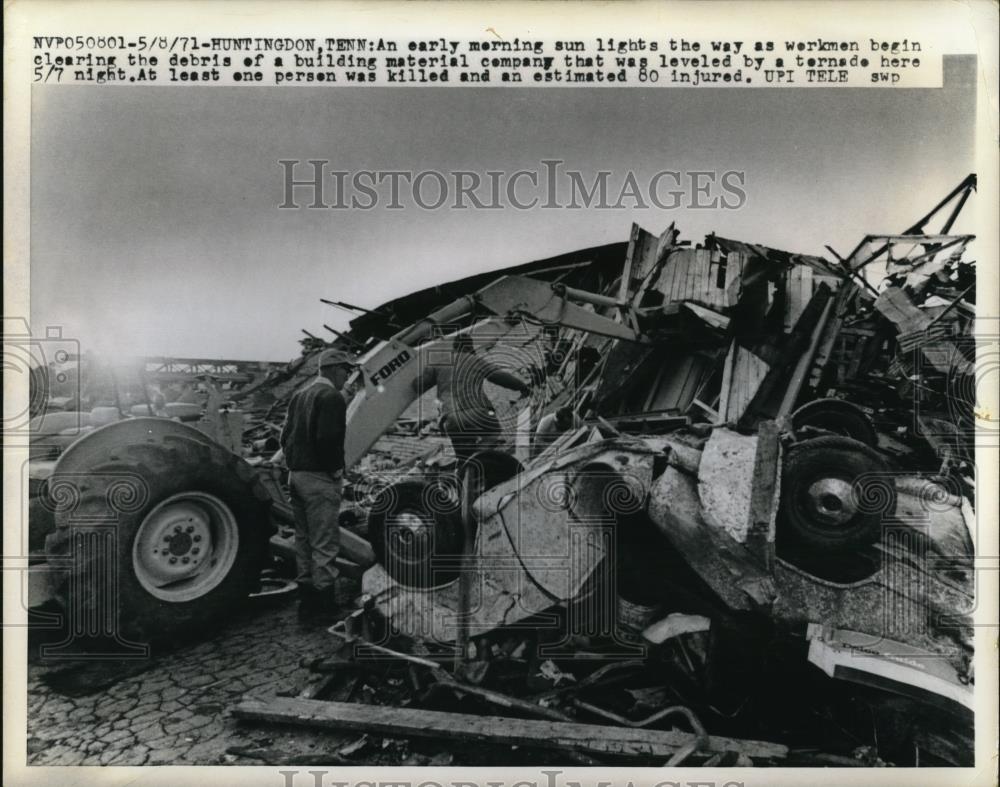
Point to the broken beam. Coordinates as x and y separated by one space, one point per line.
536 733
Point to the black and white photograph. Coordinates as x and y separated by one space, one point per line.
414 388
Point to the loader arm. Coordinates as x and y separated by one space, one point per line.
387 376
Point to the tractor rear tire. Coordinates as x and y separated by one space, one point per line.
165 534
835 493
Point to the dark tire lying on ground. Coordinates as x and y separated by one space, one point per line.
164 530
415 526
416 532
835 493
836 417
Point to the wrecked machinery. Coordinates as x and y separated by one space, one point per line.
772 479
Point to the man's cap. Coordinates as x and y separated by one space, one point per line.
334 358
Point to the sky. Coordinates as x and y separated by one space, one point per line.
155 228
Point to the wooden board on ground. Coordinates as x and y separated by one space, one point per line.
536 733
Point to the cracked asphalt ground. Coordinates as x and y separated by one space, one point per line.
174 710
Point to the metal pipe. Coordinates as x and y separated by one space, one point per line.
638 724
401 656
700 735
348 306
469 478
582 296
343 336
498 698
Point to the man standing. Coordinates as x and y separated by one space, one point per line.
313 443
467 414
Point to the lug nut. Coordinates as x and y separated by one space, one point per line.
185 559
173 560
197 538
177 528
190 528
195 551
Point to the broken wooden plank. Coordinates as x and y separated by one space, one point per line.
683 285
845 295
691 279
764 495
713 415
894 304
770 394
640 259
804 364
543 734
798 292
734 275
709 316
727 383
748 373
676 384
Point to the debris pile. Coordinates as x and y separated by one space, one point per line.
773 455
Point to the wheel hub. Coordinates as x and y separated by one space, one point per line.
831 500
412 532
185 546
180 544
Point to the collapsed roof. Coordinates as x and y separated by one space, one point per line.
740 332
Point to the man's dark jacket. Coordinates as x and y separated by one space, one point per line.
313 437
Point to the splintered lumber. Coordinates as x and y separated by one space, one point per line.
536 733
768 398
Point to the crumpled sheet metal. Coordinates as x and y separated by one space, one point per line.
541 537
916 594
905 599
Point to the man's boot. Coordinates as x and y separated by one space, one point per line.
327 606
307 602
